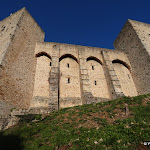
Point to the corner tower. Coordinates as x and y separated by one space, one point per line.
18 35
134 40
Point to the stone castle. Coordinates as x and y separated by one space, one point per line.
38 74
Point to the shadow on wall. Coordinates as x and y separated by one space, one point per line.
10 142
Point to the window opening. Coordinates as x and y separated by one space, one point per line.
92 67
68 65
68 80
95 83
50 64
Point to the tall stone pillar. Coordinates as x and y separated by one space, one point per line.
87 96
113 81
54 79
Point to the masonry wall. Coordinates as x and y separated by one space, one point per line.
43 59
41 91
34 73
81 71
69 85
7 29
17 75
134 40
95 67
123 71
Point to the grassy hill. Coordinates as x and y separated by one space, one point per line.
100 126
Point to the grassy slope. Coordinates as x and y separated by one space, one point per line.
94 127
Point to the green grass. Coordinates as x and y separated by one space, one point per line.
87 127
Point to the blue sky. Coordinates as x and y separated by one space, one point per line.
93 23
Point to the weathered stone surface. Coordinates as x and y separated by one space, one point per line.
37 74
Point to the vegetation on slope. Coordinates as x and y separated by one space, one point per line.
89 127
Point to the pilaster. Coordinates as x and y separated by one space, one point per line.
113 81
87 96
54 79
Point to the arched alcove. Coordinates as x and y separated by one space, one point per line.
121 62
42 75
123 72
68 56
43 54
94 58
69 85
97 78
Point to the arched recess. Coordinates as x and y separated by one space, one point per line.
68 56
69 85
43 54
94 58
97 78
123 72
121 62
42 75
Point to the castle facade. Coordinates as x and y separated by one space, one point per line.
38 74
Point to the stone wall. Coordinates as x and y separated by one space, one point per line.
37 74
79 75
18 67
7 30
123 71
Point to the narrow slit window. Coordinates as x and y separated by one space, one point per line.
68 80
68 65
92 67
95 83
50 64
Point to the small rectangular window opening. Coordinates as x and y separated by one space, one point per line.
92 67
68 65
95 83
50 64
68 80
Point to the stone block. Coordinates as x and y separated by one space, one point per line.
54 93
55 64
85 82
112 72
83 67
54 70
84 71
84 76
108 63
54 75
116 82
117 88
53 81
110 68
53 87
114 77
55 53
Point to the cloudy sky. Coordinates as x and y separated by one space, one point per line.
93 23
